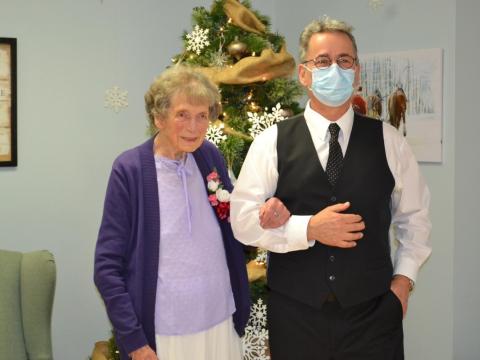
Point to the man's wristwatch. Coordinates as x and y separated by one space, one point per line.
412 285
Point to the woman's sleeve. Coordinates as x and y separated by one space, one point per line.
111 262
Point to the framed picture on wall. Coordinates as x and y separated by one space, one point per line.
405 89
8 102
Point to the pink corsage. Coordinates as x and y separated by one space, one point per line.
219 197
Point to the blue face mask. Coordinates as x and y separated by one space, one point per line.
332 86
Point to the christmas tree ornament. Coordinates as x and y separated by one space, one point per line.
264 121
218 59
237 49
262 255
215 133
255 341
254 107
197 40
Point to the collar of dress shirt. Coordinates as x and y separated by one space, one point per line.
318 125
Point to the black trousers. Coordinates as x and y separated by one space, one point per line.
372 330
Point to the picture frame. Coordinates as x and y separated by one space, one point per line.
8 101
418 75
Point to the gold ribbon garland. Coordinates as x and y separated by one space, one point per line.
243 17
269 65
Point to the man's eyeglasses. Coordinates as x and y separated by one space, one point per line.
322 62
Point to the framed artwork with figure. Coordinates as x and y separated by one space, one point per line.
8 102
405 89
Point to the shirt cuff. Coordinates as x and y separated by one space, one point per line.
406 267
296 232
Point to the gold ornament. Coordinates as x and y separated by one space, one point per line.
254 107
256 271
237 48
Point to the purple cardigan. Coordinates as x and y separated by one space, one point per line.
126 255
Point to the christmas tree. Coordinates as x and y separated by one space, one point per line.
233 46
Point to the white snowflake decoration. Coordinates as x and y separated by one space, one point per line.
215 134
255 341
261 256
375 4
116 99
219 59
258 315
262 122
255 345
197 39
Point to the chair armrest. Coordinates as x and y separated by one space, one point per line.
38 278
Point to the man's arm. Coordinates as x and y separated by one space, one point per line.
257 182
410 214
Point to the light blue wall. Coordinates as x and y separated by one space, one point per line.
70 52
467 175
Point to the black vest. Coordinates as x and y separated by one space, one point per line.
356 274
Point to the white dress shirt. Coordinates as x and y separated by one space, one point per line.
258 181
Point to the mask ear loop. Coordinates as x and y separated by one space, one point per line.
310 71
306 68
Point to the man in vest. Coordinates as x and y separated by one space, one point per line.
346 179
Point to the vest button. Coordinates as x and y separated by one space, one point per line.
333 199
331 278
331 258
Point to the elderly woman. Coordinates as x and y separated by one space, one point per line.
167 265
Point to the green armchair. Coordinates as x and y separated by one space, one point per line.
27 288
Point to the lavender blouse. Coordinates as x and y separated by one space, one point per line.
193 286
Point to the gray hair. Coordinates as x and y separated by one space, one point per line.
324 25
184 80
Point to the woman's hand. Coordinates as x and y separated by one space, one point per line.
144 353
273 214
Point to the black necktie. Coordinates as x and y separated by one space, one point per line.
335 156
